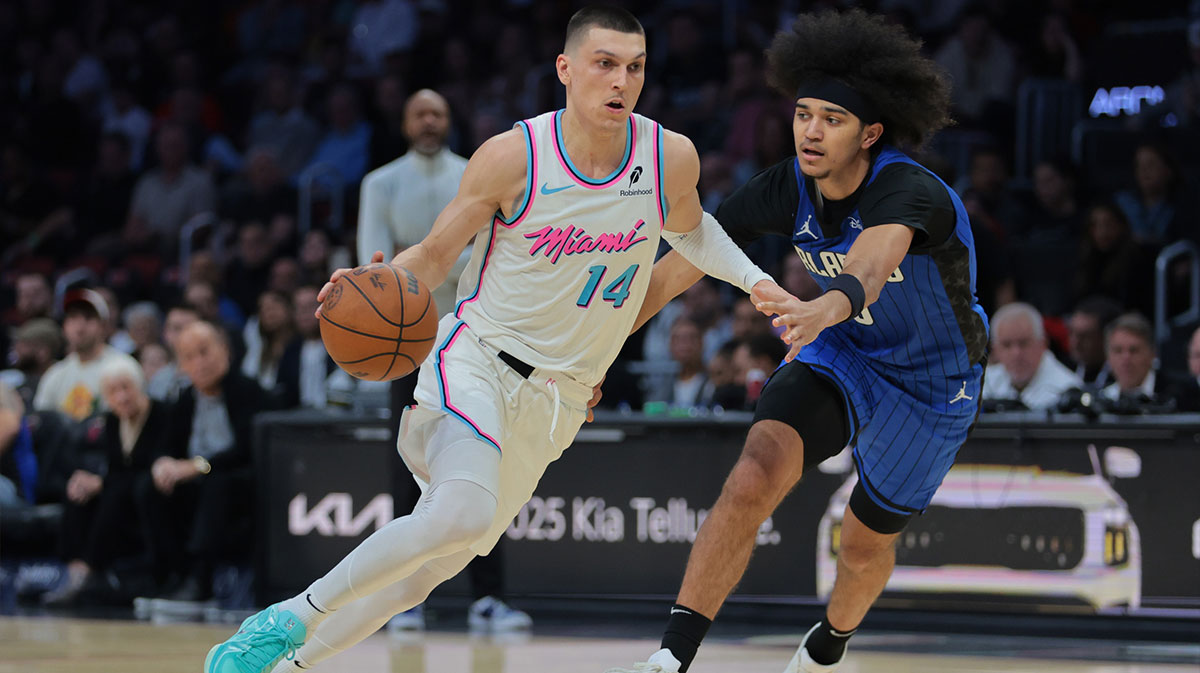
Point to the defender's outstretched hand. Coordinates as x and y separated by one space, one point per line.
802 320
376 258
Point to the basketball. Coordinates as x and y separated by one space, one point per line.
378 322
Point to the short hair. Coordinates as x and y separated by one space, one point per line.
600 16
142 309
1134 323
765 346
1103 309
123 368
877 59
1023 310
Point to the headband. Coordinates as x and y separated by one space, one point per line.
840 94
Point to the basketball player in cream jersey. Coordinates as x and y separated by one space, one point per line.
569 208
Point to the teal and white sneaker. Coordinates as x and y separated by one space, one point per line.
259 644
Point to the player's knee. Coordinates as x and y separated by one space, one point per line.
864 549
462 513
750 486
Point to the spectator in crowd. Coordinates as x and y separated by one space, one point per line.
346 145
401 200
753 360
36 346
687 386
18 482
389 141
166 383
1055 54
31 213
122 117
1153 207
267 335
1188 394
143 326
380 28
722 389
270 27
86 79
152 357
1183 96
282 125
987 196
702 304
1023 368
247 274
72 385
306 364
206 278
1111 263
1085 339
260 192
199 489
980 64
35 299
167 197
1129 343
747 322
1046 245
100 517
796 279
104 200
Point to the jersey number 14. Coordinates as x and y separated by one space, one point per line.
614 292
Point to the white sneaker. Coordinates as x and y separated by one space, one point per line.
409 620
661 661
802 663
494 614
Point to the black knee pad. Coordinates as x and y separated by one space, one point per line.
812 405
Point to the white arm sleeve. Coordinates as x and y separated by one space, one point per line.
711 250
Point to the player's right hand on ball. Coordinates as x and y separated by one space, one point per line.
376 258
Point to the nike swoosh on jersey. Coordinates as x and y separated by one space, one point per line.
548 191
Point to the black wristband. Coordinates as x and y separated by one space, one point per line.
853 289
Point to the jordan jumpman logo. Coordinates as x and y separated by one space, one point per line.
807 228
962 394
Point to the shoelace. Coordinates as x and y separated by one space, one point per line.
260 642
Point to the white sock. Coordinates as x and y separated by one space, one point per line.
365 616
307 609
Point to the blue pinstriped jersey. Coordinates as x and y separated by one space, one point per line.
927 321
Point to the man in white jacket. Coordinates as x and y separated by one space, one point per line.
1022 366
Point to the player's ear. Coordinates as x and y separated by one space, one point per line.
560 67
871 134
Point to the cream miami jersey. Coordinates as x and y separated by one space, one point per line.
559 284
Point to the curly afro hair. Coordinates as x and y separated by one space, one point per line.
880 61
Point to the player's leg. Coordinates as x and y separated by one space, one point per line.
800 420
864 564
365 616
457 509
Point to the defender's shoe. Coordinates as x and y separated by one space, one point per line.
259 644
661 661
802 663
492 613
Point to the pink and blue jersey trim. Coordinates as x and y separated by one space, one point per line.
498 220
560 150
658 176
447 405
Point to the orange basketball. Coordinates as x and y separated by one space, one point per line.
378 322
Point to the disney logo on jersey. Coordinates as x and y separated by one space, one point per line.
634 175
571 240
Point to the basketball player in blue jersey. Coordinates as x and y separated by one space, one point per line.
566 210
889 360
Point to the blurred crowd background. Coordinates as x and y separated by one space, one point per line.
171 162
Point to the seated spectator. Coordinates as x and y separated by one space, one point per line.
722 389
247 274
1024 369
201 486
143 326
747 322
260 192
980 64
36 345
754 360
283 126
35 299
167 197
1111 263
122 116
72 385
1188 394
702 304
306 364
686 387
267 335
1085 339
347 143
100 520
987 195
1046 244
18 464
1129 343
166 383
152 357
1153 206
103 202
36 459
